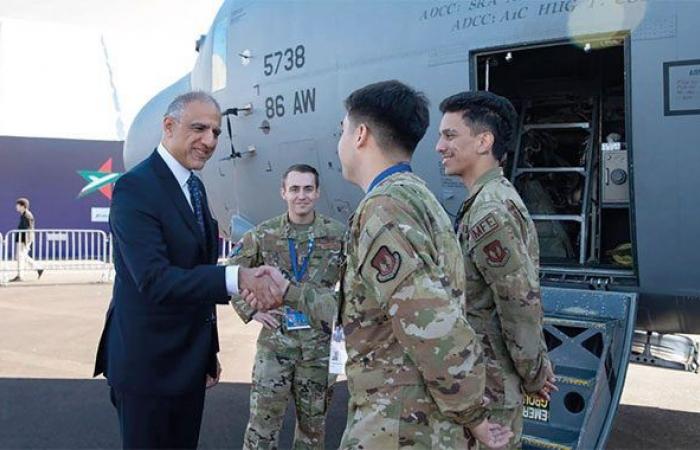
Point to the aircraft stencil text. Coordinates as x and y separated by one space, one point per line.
304 103
289 59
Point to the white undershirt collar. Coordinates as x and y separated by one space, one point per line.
181 173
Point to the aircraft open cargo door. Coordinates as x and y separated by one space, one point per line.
589 337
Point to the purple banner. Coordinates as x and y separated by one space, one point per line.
68 182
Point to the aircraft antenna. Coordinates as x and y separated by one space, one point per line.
115 97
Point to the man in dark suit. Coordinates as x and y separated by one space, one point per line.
159 345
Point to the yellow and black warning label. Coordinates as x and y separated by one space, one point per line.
535 408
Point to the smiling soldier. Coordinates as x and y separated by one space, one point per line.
292 356
501 255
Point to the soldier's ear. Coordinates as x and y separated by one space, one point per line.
486 140
361 135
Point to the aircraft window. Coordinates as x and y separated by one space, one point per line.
218 56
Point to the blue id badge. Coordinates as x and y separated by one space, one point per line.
295 320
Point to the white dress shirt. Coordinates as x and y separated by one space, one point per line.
182 174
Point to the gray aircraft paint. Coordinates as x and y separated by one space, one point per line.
327 49
428 45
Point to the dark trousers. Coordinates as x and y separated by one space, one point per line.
164 422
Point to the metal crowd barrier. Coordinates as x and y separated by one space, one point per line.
225 247
56 249
2 258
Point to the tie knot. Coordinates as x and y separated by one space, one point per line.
192 181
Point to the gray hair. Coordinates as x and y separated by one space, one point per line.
177 106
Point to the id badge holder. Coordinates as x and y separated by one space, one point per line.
295 320
339 353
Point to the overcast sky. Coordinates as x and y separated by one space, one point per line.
54 77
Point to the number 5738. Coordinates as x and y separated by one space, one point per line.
288 59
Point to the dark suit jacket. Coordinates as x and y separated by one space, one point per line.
160 335
26 222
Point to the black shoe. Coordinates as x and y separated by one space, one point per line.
40 272
17 278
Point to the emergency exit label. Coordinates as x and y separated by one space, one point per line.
535 408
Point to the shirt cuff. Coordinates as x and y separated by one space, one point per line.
538 381
232 279
475 417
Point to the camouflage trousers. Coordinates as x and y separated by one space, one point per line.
406 417
278 374
512 417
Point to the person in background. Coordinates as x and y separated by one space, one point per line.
24 239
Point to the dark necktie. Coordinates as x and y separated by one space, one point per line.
197 197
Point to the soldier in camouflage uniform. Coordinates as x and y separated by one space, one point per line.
501 255
291 361
415 367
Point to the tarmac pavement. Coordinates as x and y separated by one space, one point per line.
48 337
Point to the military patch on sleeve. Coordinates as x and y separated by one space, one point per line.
496 254
387 264
516 213
484 227
513 208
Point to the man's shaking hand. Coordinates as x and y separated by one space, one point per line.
262 287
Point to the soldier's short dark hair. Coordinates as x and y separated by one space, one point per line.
396 114
303 168
23 202
486 111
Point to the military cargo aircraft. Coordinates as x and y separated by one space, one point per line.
608 94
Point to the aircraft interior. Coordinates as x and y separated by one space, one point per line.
570 161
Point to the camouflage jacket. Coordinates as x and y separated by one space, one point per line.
268 244
403 301
501 259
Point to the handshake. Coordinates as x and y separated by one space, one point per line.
263 287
